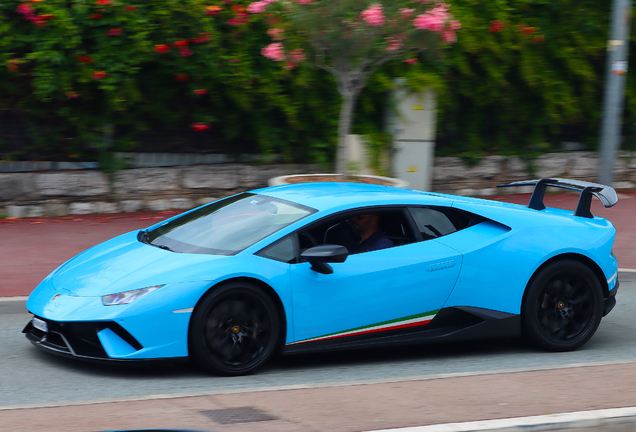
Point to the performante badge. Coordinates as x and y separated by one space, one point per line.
56 297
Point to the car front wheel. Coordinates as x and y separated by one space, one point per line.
234 330
562 306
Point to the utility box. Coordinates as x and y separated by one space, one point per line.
413 129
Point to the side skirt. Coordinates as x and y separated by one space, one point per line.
450 324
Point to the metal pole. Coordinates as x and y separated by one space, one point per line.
616 69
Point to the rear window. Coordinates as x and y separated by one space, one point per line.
433 222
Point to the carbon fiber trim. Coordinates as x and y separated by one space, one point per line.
458 323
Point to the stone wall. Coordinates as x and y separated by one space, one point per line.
90 191
452 175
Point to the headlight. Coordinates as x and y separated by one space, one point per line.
126 297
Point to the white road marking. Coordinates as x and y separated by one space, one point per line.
594 420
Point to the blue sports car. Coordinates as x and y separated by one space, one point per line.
323 266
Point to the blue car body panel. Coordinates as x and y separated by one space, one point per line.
371 288
483 266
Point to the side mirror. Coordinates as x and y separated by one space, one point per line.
319 256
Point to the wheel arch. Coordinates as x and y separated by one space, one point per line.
598 272
269 291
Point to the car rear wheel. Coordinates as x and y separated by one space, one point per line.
563 306
234 330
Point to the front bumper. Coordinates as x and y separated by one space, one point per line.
610 301
87 340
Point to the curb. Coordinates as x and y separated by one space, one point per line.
610 420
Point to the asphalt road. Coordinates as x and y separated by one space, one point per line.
29 377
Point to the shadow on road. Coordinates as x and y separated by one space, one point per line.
182 368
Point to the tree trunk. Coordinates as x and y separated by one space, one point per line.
349 97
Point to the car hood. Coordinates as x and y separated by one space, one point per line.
124 263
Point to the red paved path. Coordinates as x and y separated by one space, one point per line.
31 248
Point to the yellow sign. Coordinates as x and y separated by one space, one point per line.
412 168
418 108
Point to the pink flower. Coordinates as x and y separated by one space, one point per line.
201 39
406 13
297 55
274 51
276 33
434 19
259 6
374 16
185 52
290 65
25 9
393 43
496 26
410 61
449 36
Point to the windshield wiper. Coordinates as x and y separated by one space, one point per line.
142 236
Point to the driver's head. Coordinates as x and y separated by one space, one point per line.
365 223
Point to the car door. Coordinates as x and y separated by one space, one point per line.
373 292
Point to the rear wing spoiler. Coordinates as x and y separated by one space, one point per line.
606 194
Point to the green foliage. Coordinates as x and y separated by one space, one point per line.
154 67
537 77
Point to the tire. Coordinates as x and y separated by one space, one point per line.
234 330
562 306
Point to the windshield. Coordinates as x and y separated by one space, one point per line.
228 226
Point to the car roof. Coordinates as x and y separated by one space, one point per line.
332 195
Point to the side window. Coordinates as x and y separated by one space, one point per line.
283 250
389 228
432 223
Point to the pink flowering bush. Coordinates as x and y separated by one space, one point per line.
373 16
351 39
274 51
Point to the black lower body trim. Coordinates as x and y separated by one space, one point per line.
450 324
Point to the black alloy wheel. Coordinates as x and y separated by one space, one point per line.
562 306
234 330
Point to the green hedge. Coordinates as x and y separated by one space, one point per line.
91 76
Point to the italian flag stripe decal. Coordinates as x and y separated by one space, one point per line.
400 323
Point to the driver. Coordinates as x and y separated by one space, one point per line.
369 237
